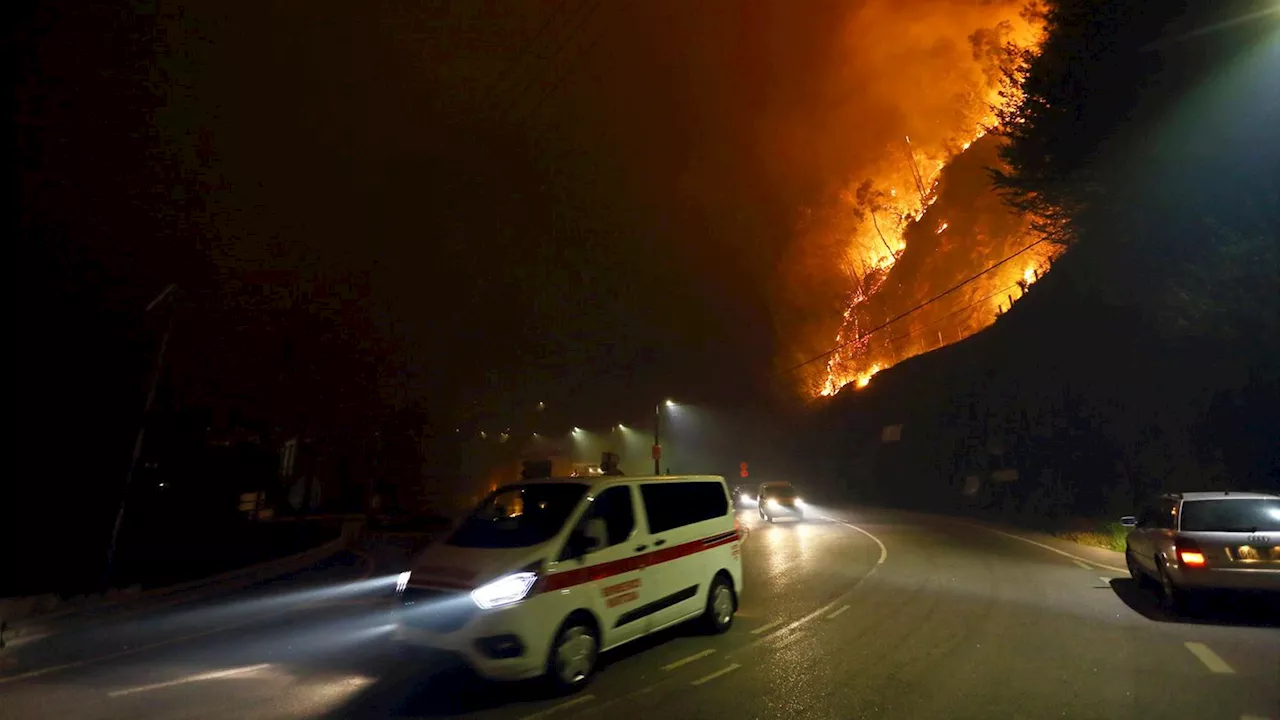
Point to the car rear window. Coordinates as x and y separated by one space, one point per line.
671 505
1227 515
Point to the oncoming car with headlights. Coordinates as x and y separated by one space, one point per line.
545 575
780 500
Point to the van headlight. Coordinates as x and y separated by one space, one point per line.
504 591
799 502
774 505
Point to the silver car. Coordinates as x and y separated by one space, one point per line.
1206 540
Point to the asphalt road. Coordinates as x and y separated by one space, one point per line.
871 613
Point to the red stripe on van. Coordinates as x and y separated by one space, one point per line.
591 573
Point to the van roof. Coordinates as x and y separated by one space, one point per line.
594 480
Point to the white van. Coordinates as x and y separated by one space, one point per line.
545 574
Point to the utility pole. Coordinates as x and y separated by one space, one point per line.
657 439
142 429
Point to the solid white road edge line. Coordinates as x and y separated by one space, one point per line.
198 677
837 613
561 706
1081 563
716 674
1210 658
1049 548
686 660
884 553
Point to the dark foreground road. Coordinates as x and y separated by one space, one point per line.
869 614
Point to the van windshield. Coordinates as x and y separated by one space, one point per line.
518 516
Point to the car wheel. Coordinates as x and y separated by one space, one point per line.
1135 571
573 655
1172 598
721 605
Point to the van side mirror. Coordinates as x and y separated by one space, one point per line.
586 539
1129 521
577 546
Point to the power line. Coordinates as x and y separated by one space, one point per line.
902 315
930 324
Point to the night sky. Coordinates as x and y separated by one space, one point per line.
591 204
593 224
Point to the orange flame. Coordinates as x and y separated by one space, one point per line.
884 216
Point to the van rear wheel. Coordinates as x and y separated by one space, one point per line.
721 605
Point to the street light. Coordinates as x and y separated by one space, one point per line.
657 434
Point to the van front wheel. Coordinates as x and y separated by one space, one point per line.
573 655
721 605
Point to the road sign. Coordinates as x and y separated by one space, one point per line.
657 451
742 469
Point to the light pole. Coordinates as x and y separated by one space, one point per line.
657 435
657 439
142 430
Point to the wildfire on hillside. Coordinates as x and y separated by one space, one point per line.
921 222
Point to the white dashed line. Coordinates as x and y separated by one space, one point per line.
1210 658
837 613
199 677
561 706
1084 565
716 674
685 661
766 627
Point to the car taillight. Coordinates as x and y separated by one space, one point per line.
1189 553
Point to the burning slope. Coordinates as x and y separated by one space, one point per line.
964 230
917 216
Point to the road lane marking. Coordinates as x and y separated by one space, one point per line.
788 640
1106 582
884 552
716 674
685 661
1210 658
1081 563
1050 548
837 613
766 626
198 677
561 706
